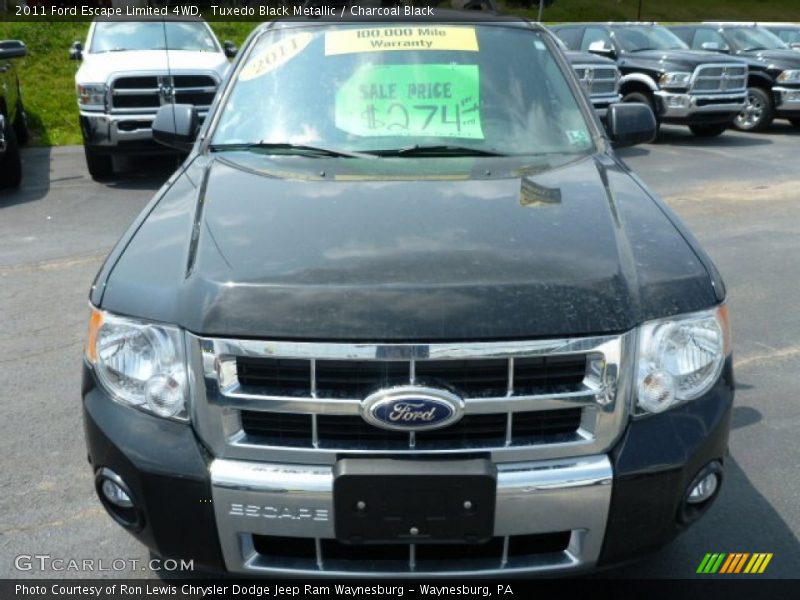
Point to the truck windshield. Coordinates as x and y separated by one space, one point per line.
749 39
637 38
405 90
117 36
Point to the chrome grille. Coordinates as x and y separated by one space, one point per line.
719 78
301 402
473 431
598 80
148 92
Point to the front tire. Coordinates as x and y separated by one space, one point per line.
10 161
795 122
643 98
101 166
758 113
708 131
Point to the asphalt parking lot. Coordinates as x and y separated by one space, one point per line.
740 194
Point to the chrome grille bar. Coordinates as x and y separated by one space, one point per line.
219 398
713 78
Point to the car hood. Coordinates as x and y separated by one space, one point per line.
99 67
587 58
576 250
666 60
783 59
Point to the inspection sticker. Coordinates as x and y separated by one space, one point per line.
381 39
411 100
275 55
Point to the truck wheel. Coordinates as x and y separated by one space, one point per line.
758 113
21 125
643 98
10 161
100 166
708 131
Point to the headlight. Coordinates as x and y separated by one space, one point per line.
92 94
140 364
680 358
790 76
675 80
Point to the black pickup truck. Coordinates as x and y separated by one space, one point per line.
682 86
773 83
13 124
429 301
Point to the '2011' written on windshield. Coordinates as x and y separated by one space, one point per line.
411 100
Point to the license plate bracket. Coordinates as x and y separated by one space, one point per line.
384 501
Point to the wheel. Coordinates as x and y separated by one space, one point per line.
100 166
795 122
21 124
10 161
643 98
708 131
758 113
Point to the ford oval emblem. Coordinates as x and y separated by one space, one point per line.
412 408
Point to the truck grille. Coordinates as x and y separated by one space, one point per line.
598 80
330 554
148 92
719 78
357 379
304 400
473 431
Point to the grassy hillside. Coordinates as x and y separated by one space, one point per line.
48 73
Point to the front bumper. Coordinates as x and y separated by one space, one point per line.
231 514
787 101
699 108
119 133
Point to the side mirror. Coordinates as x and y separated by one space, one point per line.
12 49
229 48
795 45
599 47
176 126
76 51
629 124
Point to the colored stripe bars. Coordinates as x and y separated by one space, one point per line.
734 563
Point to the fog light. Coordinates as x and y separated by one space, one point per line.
117 499
677 101
115 494
792 97
700 493
704 489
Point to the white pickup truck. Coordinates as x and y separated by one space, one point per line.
131 68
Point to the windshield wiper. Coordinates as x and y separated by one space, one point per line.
285 148
436 150
755 49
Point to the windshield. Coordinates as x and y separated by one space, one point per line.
115 36
636 38
755 38
790 36
403 90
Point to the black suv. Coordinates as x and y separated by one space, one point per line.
773 84
405 312
13 123
680 85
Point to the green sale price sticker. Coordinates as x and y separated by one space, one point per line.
421 100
